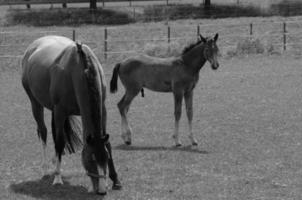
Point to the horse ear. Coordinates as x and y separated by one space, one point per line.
202 38
89 140
105 138
216 37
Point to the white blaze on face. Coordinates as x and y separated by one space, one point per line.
102 181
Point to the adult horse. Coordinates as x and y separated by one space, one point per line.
67 78
177 74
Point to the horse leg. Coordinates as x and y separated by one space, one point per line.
112 172
178 96
123 106
58 120
38 113
53 130
189 108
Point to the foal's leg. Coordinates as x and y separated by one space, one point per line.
38 113
123 106
59 119
189 108
178 96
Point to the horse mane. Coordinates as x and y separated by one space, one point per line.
190 46
94 94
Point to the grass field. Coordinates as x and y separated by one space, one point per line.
246 118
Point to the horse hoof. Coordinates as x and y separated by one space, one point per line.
57 180
195 144
117 186
101 193
128 143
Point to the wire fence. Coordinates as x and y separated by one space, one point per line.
116 41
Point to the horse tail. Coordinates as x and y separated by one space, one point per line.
113 82
72 129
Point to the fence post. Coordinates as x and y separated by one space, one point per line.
251 28
167 2
134 15
169 34
130 3
105 43
198 32
73 35
284 36
103 3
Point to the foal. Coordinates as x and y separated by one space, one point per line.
176 74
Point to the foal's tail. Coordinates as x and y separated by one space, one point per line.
113 82
72 129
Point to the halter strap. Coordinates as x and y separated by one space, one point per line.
95 175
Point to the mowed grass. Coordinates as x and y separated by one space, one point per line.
246 118
247 121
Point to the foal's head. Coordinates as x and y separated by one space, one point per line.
210 51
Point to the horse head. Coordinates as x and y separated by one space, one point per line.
95 154
211 50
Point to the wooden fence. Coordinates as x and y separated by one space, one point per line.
282 34
65 2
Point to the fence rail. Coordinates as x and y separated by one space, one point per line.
25 2
283 35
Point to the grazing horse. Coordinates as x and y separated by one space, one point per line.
176 74
67 78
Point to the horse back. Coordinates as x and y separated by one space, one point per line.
147 64
154 73
43 69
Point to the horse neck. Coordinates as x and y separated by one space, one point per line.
90 106
194 59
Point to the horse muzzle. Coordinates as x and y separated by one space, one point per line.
102 189
99 186
215 66
99 183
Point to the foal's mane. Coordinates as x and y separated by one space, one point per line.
190 46
94 93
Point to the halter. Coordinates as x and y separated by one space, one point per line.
90 174
94 175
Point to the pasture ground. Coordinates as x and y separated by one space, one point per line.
247 121
246 118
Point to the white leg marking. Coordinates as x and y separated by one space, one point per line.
191 135
44 164
126 130
176 132
58 177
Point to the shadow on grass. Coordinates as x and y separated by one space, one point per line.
43 189
189 148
